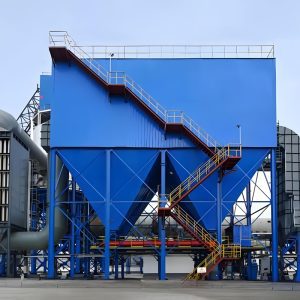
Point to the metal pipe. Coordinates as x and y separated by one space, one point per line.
9 123
274 223
37 240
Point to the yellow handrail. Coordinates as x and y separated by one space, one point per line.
184 217
224 251
202 171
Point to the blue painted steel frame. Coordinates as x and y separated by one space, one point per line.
107 217
275 270
161 220
162 252
52 184
72 241
248 215
297 277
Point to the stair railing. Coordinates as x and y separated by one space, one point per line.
194 226
201 172
62 38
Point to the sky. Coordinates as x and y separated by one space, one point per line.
24 27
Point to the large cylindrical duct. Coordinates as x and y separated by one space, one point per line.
9 123
39 239
30 240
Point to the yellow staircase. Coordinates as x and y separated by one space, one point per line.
226 157
193 227
221 252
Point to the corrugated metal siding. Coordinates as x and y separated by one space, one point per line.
84 115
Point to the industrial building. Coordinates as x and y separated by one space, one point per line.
151 159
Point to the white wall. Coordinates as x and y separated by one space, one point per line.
174 264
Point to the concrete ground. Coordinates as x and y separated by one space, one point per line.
15 289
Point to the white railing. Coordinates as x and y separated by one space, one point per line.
63 39
176 116
118 77
181 51
57 38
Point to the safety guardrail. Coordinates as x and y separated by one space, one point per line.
194 226
179 51
63 39
202 172
223 251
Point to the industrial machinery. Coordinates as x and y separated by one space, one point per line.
131 177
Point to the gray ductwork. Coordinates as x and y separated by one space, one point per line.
37 240
9 123
30 240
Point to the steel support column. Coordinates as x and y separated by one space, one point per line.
52 187
219 208
78 238
86 260
275 271
122 267
72 241
219 218
161 220
297 277
107 217
116 265
33 270
2 265
128 265
248 215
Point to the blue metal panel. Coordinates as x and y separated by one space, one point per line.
46 91
217 93
242 235
129 181
86 122
201 203
83 115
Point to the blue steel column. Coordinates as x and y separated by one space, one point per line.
248 211
86 260
107 217
219 217
78 237
297 277
122 267
116 265
275 271
73 210
52 185
161 220
219 208
128 265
